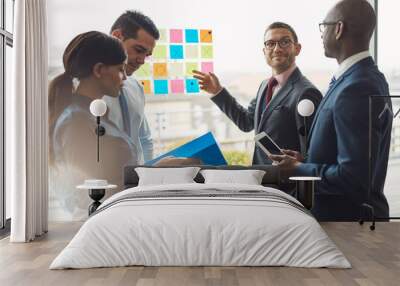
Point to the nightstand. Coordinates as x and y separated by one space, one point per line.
97 190
305 190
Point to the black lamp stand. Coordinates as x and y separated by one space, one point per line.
100 131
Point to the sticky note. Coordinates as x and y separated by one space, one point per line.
146 86
177 86
160 86
191 36
176 52
175 36
192 52
205 36
160 70
190 67
176 69
192 86
207 67
206 52
143 71
160 52
163 36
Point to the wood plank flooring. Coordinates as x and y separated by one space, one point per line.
374 255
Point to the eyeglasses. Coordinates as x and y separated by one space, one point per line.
322 26
283 43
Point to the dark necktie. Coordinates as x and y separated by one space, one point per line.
271 84
333 80
125 113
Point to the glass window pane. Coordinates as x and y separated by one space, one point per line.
1 135
8 78
9 15
1 14
387 43
388 62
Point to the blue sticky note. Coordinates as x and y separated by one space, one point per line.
176 52
191 36
204 148
192 86
161 86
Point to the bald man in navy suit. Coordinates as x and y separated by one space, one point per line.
338 150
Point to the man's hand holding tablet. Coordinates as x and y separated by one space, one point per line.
285 159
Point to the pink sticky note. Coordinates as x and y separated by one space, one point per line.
207 67
175 36
177 86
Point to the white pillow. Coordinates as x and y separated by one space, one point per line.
166 176
248 177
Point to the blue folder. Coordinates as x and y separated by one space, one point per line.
204 148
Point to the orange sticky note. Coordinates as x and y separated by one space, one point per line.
160 70
205 36
146 86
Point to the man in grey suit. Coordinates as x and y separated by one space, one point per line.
274 110
340 134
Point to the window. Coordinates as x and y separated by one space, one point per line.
6 43
9 15
389 64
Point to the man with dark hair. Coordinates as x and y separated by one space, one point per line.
339 136
138 35
274 109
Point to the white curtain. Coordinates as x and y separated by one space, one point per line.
27 123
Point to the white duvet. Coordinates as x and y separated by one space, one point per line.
183 231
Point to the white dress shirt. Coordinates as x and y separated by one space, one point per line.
349 62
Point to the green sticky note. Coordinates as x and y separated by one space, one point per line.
143 71
190 67
160 52
206 52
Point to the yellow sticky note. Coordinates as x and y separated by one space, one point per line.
206 52
146 86
160 70
160 52
190 67
143 71
205 36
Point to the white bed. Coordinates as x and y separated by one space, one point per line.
223 225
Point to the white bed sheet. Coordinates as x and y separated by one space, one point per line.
200 231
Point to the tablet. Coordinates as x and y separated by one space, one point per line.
267 144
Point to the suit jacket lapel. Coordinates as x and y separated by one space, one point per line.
259 108
279 97
321 105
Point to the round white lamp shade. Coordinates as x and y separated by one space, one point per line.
98 107
305 107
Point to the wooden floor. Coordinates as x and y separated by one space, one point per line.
374 255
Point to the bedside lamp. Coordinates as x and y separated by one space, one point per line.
305 108
98 108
